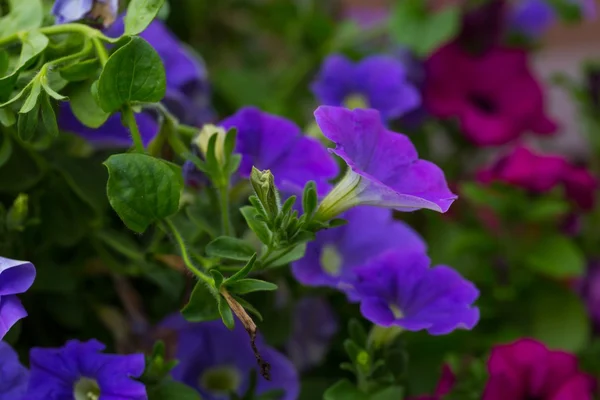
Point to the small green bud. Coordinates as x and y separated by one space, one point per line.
17 214
263 183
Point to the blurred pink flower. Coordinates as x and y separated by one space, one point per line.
447 381
494 96
541 173
527 369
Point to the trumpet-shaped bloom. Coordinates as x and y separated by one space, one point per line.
13 375
378 82
526 369
16 277
79 370
270 142
399 288
217 361
331 259
384 168
491 111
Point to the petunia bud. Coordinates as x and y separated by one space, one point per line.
17 215
203 138
263 183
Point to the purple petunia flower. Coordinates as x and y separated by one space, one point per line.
384 168
315 323
79 370
399 288
74 10
16 277
13 375
271 142
378 82
331 259
216 361
187 95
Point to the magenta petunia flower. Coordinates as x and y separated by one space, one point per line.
378 82
384 168
527 369
540 173
271 142
494 96
399 288
13 375
330 260
444 386
16 277
217 361
79 370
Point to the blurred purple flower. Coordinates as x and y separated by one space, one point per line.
378 82
331 259
16 277
384 168
187 96
271 142
399 288
589 288
13 375
532 18
490 111
80 370
216 361
527 369
314 325
74 10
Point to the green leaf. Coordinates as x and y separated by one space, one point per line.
202 305
28 123
84 106
226 313
140 14
47 117
80 71
260 228
7 117
389 393
172 390
344 390
51 92
34 43
559 318
142 189
133 73
357 332
230 248
244 286
31 101
556 256
309 198
218 277
4 62
24 15
23 169
5 149
242 273
413 26
295 254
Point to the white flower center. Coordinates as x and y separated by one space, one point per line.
86 389
220 380
331 260
355 101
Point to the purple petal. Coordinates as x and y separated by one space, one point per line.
71 10
11 310
383 80
15 276
377 311
336 80
115 373
13 375
532 17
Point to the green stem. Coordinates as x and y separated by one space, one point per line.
131 123
61 30
185 255
100 50
224 205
